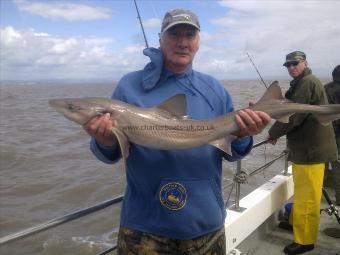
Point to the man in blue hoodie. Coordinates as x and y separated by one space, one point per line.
173 201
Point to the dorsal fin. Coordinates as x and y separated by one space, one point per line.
273 92
176 105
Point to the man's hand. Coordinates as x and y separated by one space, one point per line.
251 122
100 128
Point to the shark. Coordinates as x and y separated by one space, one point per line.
167 126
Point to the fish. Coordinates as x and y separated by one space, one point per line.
167 126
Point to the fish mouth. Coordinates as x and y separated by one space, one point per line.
67 109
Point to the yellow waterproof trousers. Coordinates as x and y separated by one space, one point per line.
308 181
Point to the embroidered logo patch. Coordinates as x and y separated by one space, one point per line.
173 196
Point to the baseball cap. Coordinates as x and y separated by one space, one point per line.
179 16
295 56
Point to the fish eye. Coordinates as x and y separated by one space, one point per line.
72 107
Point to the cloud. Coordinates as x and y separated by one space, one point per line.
269 30
10 37
65 58
67 11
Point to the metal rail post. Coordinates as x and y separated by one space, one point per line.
286 166
238 191
285 172
238 187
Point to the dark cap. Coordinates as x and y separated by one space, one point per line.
336 73
295 56
179 16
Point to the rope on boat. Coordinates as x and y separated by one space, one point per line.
241 177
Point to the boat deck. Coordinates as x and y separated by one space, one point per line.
269 239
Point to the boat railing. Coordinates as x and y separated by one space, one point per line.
239 179
89 210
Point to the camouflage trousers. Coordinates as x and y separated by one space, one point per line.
133 242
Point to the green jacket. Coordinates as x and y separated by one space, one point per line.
309 142
333 95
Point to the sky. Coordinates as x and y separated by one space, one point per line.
103 40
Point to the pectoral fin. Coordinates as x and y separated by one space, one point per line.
224 144
123 144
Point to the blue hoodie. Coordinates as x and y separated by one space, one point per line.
175 193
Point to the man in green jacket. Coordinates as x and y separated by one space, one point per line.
310 145
333 94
